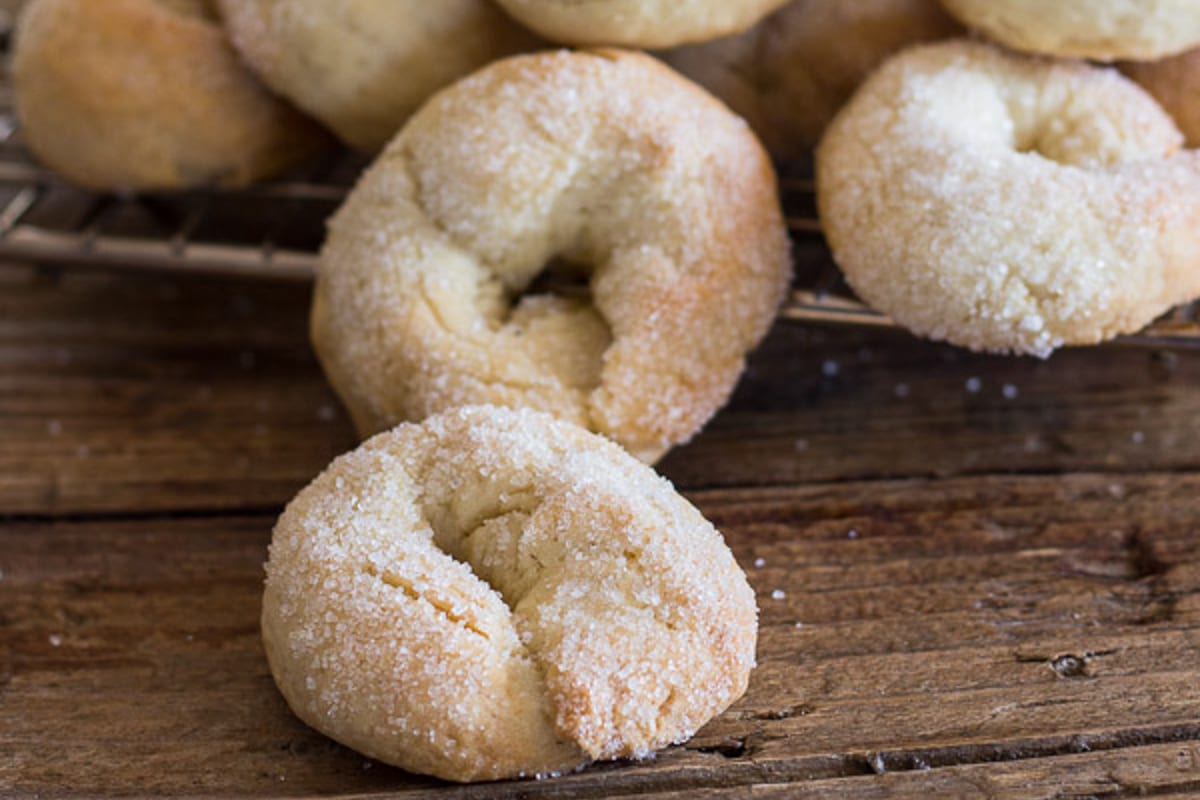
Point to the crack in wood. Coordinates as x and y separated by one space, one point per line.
732 748
739 753
962 755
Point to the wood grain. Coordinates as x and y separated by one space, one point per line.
965 590
951 630
125 395
122 394
1154 770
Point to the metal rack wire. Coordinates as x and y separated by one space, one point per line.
274 230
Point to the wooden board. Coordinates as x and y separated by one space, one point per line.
977 576
142 393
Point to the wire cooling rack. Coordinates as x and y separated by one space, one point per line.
273 230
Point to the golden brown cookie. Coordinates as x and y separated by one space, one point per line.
147 94
1010 203
1104 30
495 593
364 66
604 164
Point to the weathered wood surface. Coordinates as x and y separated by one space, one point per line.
965 590
149 393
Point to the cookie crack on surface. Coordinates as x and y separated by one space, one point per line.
397 582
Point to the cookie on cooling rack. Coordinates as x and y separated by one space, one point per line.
1010 203
363 67
591 159
147 95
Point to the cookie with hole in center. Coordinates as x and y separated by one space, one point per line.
606 162
1010 203
495 593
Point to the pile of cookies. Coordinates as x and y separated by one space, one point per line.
612 618
169 94
496 583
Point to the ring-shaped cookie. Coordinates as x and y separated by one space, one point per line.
496 593
607 162
1104 30
1010 203
638 23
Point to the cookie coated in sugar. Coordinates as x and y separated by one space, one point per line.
590 163
363 67
1102 30
1010 203
494 594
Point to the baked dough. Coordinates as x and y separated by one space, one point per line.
605 162
638 23
790 73
496 593
1104 30
1010 203
364 66
147 94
